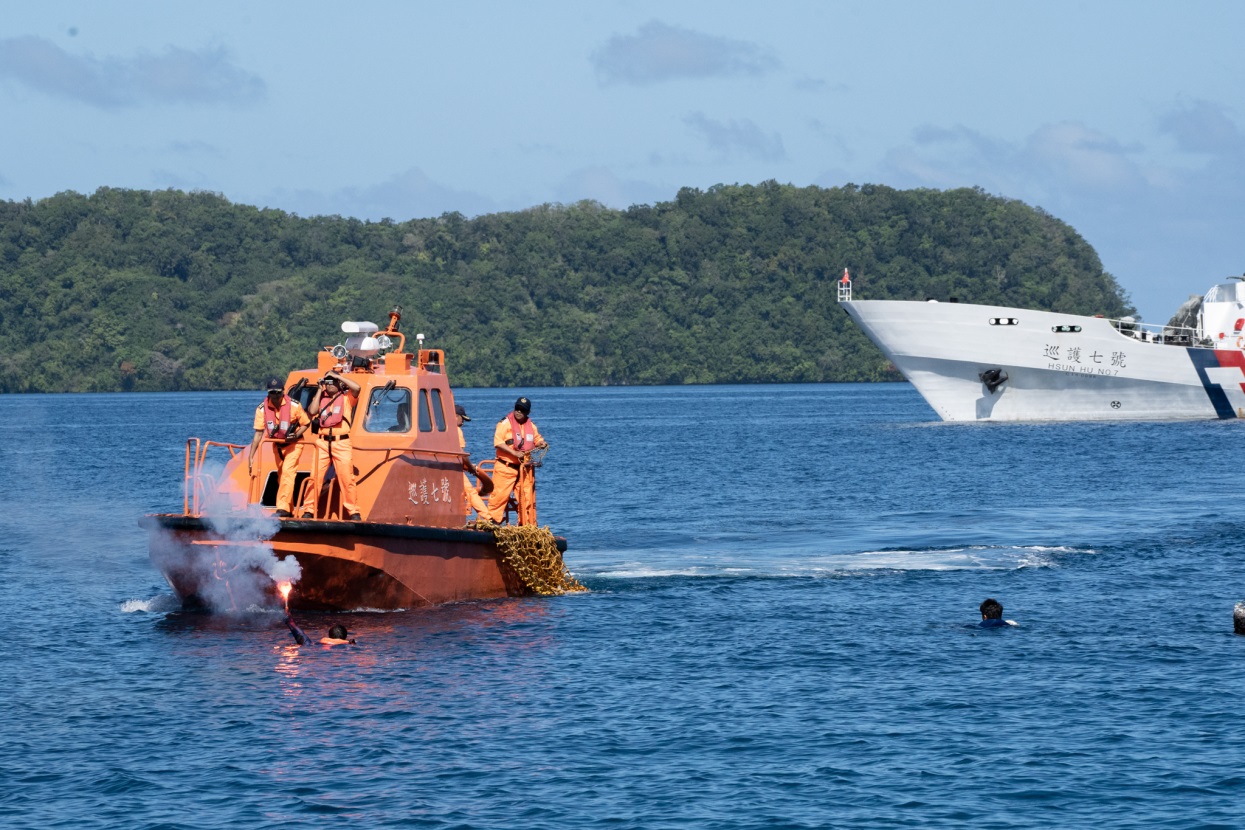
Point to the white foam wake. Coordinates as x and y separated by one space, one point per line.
159 604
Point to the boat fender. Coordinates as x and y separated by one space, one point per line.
993 379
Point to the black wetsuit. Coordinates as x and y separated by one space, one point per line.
299 636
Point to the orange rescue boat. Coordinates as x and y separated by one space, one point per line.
411 545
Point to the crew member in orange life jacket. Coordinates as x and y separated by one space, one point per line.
514 439
284 421
334 402
474 502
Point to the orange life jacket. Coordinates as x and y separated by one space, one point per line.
277 421
523 436
334 413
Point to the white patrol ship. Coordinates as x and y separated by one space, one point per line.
993 363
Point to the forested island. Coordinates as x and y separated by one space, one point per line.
167 290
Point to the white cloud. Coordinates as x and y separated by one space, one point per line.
1083 158
1203 127
195 148
1065 157
602 185
737 136
659 52
177 76
816 86
407 195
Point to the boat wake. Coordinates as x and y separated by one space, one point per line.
159 604
966 558
976 557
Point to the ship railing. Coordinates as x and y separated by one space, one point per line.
198 484
1153 333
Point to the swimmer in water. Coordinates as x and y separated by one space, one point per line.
992 615
337 637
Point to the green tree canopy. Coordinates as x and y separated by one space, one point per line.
165 290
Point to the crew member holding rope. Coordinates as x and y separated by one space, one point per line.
282 420
334 404
514 439
474 501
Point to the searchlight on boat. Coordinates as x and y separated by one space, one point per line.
362 341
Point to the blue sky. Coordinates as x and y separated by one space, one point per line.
1125 119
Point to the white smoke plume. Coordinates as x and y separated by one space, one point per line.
239 576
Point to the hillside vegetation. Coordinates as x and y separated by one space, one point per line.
166 290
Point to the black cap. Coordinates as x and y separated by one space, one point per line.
523 405
458 410
275 385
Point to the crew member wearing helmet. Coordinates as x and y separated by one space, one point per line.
282 421
334 405
514 439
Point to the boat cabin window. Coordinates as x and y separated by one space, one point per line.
305 395
388 410
425 418
438 410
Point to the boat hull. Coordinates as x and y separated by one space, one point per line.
1058 367
344 565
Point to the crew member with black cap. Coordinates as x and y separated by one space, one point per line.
282 420
474 502
514 439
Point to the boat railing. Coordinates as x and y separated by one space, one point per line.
1164 335
198 484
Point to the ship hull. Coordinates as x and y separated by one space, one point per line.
344 565
1058 367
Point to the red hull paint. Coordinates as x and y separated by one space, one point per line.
345 565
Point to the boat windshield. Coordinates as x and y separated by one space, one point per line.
388 410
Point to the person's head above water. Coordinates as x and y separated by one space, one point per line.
991 609
338 632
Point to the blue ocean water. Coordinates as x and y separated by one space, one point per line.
778 633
